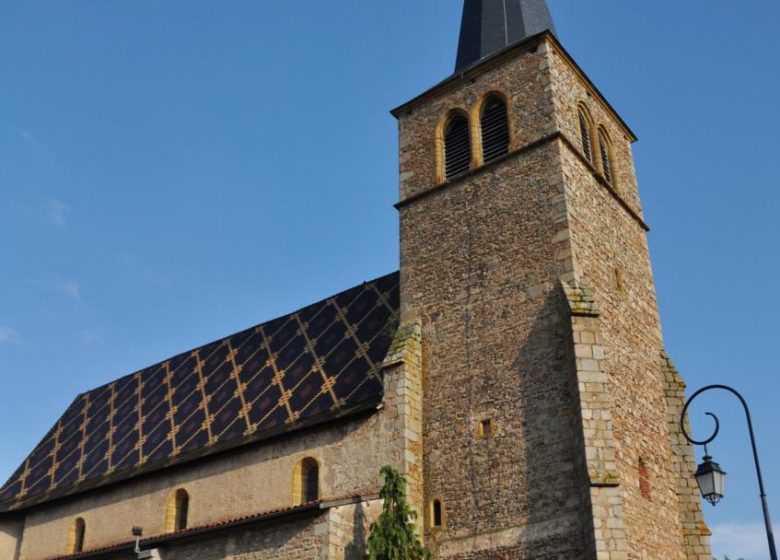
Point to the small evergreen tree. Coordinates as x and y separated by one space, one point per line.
393 535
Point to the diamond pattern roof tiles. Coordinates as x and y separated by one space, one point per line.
320 363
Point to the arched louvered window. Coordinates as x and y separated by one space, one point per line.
76 536
605 151
494 124
457 146
585 134
178 511
306 481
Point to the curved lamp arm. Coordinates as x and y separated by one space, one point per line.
705 442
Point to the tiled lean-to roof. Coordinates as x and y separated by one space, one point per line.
320 363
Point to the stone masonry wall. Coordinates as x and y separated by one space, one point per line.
602 498
304 539
337 532
481 258
403 378
10 537
611 258
480 263
696 534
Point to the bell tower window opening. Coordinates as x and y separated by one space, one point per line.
585 134
605 151
494 124
457 146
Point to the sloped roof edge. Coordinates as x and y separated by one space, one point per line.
318 364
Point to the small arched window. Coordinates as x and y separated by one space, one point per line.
494 124
76 536
306 481
457 146
587 148
178 511
605 153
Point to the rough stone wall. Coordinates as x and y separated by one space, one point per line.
338 532
403 377
696 534
349 527
10 538
303 539
480 263
481 258
603 502
522 80
611 258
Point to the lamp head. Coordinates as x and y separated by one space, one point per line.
138 531
711 480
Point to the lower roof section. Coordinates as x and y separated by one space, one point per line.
318 364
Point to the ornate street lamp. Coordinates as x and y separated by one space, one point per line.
711 478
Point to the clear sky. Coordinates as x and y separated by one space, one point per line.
172 172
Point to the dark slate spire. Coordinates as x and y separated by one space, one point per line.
490 25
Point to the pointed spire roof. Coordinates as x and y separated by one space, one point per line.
490 25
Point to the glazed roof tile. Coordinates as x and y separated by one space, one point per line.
318 364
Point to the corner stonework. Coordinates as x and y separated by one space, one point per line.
696 534
608 537
403 403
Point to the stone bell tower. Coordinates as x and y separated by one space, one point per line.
549 406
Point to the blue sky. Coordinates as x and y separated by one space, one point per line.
174 172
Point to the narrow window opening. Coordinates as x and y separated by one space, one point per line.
436 514
457 147
177 515
306 481
585 134
77 536
644 480
618 280
606 162
495 130
312 491
182 510
485 428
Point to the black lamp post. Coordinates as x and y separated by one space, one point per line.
711 478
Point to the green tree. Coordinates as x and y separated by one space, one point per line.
393 536
727 557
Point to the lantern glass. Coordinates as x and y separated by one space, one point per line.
711 480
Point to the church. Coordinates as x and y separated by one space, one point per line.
513 368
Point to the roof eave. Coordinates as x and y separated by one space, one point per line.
366 407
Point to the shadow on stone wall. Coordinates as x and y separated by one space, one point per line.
548 397
357 548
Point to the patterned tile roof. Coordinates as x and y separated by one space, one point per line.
320 363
